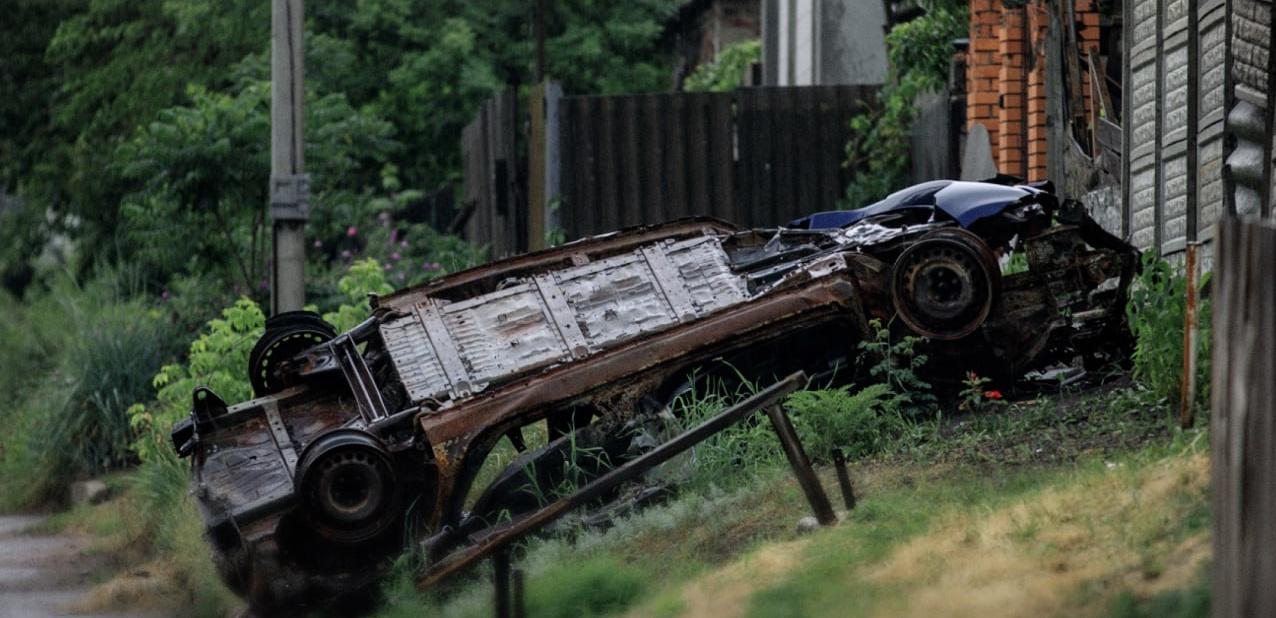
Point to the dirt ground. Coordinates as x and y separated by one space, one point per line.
46 575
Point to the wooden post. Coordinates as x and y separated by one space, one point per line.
801 466
289 185
1187 390
536 198
1243 421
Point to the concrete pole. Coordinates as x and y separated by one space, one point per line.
289 185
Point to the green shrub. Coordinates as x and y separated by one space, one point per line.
21 356
218 359
730 457
1192 601
859 422
1156 309
895 363
597 586
727 72
73 423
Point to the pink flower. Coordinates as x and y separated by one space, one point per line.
164 295
395 256
394 235
403 244
352 231
345 254
318 244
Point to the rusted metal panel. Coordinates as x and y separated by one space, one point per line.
412 401
556 318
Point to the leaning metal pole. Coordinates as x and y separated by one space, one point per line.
289 185
500 536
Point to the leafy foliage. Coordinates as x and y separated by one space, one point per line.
895 362
218 359
154 148
201 174
727 72
119 63
860 422
919 52
1158 303
67 418
974 397
365 277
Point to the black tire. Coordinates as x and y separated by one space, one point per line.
349 488
287 335
944 285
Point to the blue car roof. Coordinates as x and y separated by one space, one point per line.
966 202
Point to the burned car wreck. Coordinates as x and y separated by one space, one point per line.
359 441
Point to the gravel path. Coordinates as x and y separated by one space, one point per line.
41 575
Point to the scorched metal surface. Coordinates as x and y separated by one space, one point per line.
360 440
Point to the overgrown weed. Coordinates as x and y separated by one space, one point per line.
91 350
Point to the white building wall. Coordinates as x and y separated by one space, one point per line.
823 42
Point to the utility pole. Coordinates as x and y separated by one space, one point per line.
540 41
289 185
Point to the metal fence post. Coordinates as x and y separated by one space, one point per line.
844 479
501 580
801 466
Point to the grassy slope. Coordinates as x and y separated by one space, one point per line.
1074 505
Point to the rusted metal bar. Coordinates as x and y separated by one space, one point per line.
844 478
500 536
801 466
1187 390
501 580
487 276
520 593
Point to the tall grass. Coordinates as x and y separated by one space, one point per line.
1156 311
860 421
87 352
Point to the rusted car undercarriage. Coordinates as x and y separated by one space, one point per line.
359 441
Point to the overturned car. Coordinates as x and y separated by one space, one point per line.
362 440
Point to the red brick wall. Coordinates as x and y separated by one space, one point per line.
1004 88
1038 25
984 67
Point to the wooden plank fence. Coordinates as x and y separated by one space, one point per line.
756 156
493 193
1243 421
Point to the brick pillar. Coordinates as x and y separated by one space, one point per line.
1012 133
1038 27
983 68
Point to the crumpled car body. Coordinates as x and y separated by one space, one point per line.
360 441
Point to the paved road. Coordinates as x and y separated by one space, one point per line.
42 575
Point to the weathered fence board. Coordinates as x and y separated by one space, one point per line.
1243 421
757 156
492 191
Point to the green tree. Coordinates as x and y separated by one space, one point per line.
118 63
727 72
200 172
